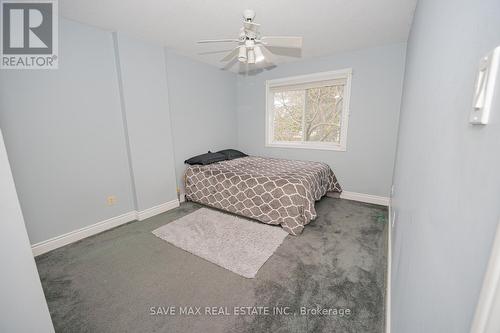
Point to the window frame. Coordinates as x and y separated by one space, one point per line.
345 74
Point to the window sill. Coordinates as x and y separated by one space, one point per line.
316 146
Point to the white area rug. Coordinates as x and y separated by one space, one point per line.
237 244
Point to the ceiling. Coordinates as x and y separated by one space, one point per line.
328 26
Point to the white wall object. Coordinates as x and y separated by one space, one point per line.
484 89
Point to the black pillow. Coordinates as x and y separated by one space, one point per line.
205 159
231 154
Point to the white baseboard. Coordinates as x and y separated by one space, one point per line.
147 213
76 235
368 198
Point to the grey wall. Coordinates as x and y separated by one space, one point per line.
202 106
22 305
103 124
64 133
447 184
367 166
145 104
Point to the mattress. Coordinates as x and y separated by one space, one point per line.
270 190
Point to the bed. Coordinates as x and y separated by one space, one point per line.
270 190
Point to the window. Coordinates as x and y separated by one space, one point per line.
309 111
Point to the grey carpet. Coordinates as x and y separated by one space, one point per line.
232 242
108 282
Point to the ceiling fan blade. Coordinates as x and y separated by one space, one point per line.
268 56
282 41
251 26
284 51
214 52
216 41
230 64
231 55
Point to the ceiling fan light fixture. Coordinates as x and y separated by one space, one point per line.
242 53
251 57
253 48
259 56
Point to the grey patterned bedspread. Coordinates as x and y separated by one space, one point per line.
270 190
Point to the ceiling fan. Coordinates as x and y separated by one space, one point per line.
252 47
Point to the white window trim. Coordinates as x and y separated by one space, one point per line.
322 76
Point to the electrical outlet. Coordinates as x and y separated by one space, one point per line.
111 200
